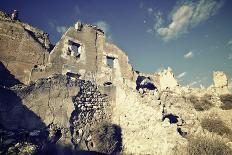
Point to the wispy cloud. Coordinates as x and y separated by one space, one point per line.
189 55
106 28
61 29
150 10
103 25
149 31
194 83
181 75
141 5
158 20
204 9
58 28
179 25
229 56
77 10
230 44
188 15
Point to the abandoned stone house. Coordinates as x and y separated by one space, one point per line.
81 52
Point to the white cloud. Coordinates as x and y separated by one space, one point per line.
58 28
189 55
150 10
52 24
158 20
229 56
230 42
188 15
61 29
205 9
194 83
103 25
106 28
149 31
181 75
180 22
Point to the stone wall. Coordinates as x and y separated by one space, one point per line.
220 82
72 107
20 52
143 128
91 62
91 109
165 79
62 62
120 71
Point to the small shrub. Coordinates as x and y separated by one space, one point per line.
227 101
216 126
107 138
207 146
201 104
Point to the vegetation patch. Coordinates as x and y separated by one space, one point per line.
107 139
207 146
227 101
216 126
202 103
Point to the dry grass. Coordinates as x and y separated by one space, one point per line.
107 138
227 101
216 126
199 145
201 104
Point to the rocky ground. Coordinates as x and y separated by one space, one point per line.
60 114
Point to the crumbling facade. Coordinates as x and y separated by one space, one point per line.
20 49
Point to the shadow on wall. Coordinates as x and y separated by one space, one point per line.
17 121
6 78
226 101
144 82
13 114
20 122
56 149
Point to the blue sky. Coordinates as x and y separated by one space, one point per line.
194 38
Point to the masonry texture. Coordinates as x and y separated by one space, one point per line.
82 96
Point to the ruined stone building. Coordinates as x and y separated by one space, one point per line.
84 81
